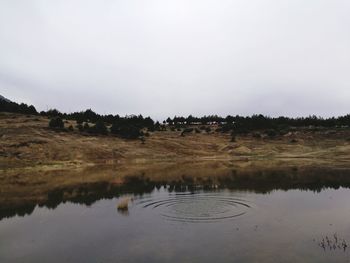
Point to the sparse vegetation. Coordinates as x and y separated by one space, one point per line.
257 127
245 125
241 125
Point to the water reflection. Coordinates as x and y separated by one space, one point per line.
145 181
221 214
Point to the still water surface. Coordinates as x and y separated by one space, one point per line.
197 225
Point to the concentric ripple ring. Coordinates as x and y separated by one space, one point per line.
197 207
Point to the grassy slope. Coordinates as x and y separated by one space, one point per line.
27 142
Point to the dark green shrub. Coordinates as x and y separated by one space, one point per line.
126 131
99 128
157 126
142 139
115 128
271 133
241 131
86 126
79 121
226 128
56 123
187 130
256 135
80 127
233 137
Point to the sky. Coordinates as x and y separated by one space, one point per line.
178 57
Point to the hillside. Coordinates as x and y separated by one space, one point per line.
26 141
3 98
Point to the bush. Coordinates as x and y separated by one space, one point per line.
256 135
115 129
233 137
293 141
271 133
226 128
52 113
142 140
126 131
86 126
79 121
157 126
98 128
80 127
70 128
187 130
56 123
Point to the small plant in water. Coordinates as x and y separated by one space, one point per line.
123 205
332 243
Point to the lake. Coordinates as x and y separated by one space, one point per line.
277 217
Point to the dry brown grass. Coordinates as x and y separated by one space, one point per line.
27 142
123 204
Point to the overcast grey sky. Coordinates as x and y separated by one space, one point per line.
167 57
